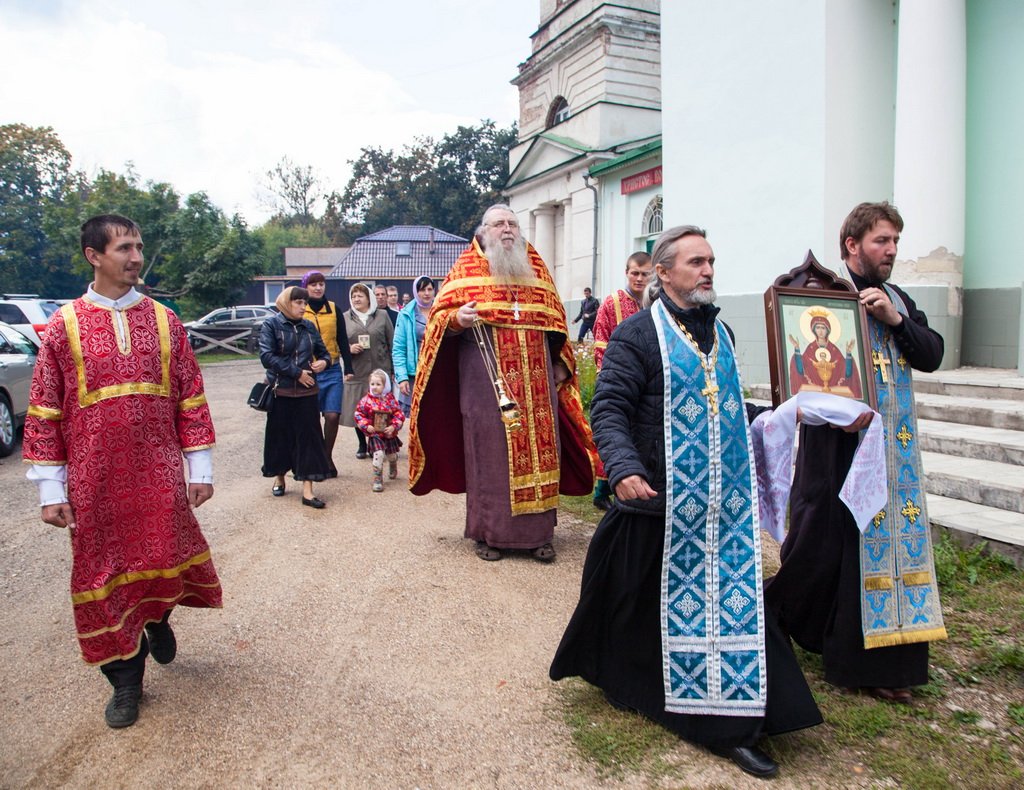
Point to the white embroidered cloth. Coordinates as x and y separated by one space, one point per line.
865 489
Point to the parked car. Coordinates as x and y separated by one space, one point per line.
27 313
17 360
225 322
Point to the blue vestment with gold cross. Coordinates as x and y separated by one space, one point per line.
712 608
899 592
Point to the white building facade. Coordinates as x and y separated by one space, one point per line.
589 94
784 115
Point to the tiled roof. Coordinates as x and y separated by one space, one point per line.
411 233
376 256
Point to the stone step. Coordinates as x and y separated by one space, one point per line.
988 383
972 441
986 483
1007 414
970 523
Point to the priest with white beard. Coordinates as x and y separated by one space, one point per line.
496 409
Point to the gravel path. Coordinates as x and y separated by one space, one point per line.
363 645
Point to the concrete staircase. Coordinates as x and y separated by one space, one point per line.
971 428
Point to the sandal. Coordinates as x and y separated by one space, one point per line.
545 553
487 553
900 696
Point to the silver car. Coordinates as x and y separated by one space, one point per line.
17 360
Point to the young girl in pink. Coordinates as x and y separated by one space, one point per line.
379 416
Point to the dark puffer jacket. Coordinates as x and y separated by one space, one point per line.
289 347
628 410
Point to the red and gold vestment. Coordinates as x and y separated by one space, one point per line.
612 312
117 396
520 316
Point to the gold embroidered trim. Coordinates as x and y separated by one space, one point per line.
528 481
905 638
185 593
134 576
197 447
34 462
192 403
537 506
919 577
88 398
878 583
44 413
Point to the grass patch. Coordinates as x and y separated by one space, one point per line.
213 357
614 741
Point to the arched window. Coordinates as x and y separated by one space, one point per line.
654 220
559 112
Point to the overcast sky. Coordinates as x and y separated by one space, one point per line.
210 95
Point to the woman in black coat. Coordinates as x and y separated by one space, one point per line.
293 352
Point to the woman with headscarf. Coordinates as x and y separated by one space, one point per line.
409 330
293 352
370 335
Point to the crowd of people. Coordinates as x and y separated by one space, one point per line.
674 620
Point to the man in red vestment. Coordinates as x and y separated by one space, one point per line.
612 312
117 397
496 410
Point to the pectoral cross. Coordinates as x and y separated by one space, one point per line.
711 393
879 360
515 310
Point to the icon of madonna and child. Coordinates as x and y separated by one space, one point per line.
820 366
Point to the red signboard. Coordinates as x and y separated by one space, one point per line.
648 178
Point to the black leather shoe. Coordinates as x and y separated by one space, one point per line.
162 644
602 503
314 502
362 455
123 708
750 759
277 490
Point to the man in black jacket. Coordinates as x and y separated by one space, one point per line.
680 634
588 312
832 576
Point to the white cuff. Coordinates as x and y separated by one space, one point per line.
200 466
51 482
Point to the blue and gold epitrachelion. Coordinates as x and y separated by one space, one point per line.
712 609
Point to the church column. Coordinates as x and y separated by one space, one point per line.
565 282
544 235
929 180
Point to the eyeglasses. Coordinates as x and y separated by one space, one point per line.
504 223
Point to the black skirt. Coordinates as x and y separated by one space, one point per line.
294 441
614 641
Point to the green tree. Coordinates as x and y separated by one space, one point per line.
276 234
35 168
446 183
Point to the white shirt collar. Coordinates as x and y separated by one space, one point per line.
123 303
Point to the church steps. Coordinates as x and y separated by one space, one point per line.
989 412
991 383
971 523
972 441
986 483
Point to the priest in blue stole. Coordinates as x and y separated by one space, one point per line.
671 619
868 602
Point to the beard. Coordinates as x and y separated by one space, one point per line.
508 264
699 296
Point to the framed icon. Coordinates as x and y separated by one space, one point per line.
818 336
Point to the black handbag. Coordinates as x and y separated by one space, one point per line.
261 397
